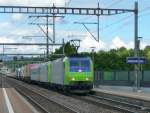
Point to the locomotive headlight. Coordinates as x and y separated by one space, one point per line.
73 79
87 78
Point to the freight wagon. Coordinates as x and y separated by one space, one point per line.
68 73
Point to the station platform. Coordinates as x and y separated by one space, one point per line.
142 94
11 101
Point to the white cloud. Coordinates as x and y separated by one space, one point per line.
60 2
89 42
86 43
143 45
61 20
20 49
6 40
28 31
16 38
5 25
34 2
117 43
28 49
17 17
130 45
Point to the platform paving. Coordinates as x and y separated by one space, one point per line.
143 93
11 101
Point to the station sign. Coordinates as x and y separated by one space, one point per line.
136 60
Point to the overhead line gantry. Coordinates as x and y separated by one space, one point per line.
62 10
67 11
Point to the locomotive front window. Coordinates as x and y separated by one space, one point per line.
79 66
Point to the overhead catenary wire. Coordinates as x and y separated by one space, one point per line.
126 18
112 4
115 3
118 21
126 23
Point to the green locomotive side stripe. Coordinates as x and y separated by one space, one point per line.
49 72
66 75
92 71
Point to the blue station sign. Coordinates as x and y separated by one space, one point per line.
136 60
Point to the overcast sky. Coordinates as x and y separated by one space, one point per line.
115 31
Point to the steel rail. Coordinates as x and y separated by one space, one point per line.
26 96
35 92
105 105
143 108
33 101
120 102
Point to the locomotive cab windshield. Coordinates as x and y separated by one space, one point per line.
79 65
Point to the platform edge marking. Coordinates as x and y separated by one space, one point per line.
9 106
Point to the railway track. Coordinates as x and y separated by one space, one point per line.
100 101
77 105
123 107
44 104
48 106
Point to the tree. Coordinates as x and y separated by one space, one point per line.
68 49
114 59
